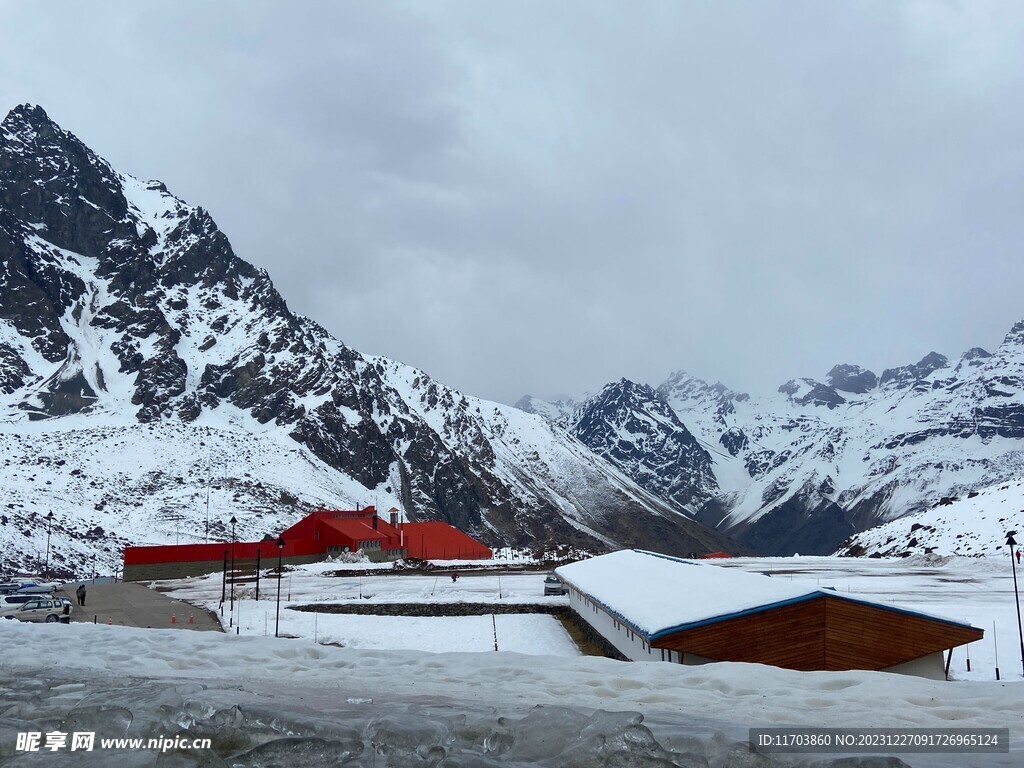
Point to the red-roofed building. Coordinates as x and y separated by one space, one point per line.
440 541
319 535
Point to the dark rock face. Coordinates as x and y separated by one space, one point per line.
816 394
633 427
851 378
807 522
912 375
796 526
97 266
734 440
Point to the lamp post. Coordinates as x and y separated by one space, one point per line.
49 526
206 537
232 521
280 576
1011 543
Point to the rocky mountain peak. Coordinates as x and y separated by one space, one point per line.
26 124
811 392
1016 335
634 427
914 374
52 183
686 392
851 378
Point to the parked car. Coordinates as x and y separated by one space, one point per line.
38 609
39 587
29 585
14 600
552 586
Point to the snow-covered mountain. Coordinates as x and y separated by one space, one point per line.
139 355
803 468
634 428
973 525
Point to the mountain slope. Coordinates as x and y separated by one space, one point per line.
973 525
804 468
122 305
823 460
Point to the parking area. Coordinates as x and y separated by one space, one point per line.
133 605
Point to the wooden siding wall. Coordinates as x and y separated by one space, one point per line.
823 633
861 636
789 637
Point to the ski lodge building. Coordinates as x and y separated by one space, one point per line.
651 607
316 537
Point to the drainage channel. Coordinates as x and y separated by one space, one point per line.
434 609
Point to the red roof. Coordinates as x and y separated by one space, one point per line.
355 529
440 541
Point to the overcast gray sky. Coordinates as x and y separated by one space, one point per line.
543 197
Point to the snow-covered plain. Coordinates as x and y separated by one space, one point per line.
978 591
312 584
266 697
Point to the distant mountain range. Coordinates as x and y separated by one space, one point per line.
804 468
145 366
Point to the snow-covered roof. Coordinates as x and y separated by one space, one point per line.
657 594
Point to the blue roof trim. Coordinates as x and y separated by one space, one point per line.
735 615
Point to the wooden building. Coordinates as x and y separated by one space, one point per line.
653 607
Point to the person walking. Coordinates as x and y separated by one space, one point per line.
81 594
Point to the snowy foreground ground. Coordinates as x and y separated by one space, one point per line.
265 701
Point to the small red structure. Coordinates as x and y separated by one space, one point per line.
715 556
315 537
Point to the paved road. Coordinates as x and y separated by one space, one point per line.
132 605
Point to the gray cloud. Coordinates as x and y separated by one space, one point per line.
538 198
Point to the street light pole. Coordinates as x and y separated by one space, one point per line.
232 521
280 576
49 526
206 538
1011 543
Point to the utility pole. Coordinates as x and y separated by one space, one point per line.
49 526
1011 543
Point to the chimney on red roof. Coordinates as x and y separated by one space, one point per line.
375 521
393 512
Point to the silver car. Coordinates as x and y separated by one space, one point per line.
15 600
38 610
554 586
